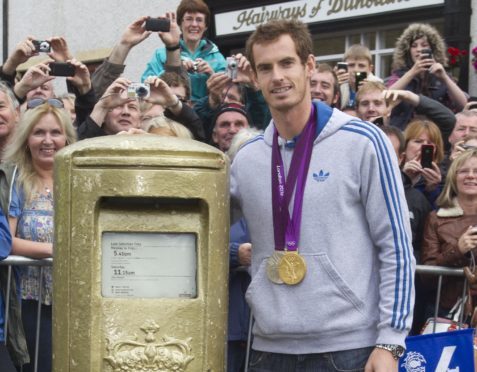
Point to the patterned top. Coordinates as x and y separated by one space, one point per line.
35 222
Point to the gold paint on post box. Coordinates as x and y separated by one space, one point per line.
113 196
134 355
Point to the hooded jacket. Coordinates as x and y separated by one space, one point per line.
402 56
206 50
355 238
430 86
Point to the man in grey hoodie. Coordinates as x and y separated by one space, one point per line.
332 267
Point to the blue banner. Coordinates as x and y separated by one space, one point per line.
439 352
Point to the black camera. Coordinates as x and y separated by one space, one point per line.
360 76
61 69
42 46
158 24
379 121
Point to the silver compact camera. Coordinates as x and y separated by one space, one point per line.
42 46
232 67
139 90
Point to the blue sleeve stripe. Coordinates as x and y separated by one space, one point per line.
394 207
407 279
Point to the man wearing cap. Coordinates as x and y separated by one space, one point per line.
229 120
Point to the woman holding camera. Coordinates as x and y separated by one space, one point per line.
199 56
418 62
44 129
450 235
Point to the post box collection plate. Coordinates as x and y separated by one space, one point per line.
149 265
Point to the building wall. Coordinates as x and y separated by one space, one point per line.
91 27
473 33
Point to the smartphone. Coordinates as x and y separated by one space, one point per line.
158 24
360 76
426 53
342 66
61 69
427 156
379 121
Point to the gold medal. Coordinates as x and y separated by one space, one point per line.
292 268
272 267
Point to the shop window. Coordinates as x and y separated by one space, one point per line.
329 46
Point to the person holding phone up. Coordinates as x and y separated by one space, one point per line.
424 150
419 60
355 69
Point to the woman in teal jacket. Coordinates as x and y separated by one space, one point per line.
199 56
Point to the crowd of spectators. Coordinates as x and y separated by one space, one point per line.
189 90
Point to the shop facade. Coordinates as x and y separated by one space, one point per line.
337 24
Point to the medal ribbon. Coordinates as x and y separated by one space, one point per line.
286 230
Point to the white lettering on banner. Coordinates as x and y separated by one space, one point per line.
310 11
445 360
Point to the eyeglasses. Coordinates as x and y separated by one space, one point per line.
35 102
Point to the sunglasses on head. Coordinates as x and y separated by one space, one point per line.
35 102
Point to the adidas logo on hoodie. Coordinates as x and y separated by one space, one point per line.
321 177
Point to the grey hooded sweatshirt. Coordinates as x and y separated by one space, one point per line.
355 238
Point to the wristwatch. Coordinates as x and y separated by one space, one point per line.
396 350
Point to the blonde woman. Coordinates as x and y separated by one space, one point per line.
44 129
450 234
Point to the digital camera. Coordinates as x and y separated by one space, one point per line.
41 46
195 66
232 67
158 24
139 90
61 69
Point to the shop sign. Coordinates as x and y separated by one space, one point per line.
309 11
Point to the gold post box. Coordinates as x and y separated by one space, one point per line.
141 257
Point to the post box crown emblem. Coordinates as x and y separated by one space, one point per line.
150 356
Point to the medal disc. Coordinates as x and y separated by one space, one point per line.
292 268
272 267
